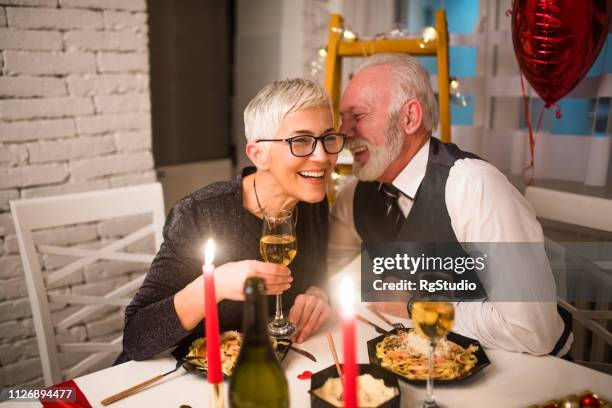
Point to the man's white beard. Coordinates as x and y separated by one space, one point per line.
380 157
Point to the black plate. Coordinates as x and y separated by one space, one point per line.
463 341
282 348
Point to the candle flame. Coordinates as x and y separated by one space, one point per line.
209 252
347 295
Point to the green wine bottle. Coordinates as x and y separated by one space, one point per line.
258 379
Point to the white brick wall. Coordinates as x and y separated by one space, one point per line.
105 84
25 130
59 150
16 39
26 86
105 40
74 116
121 62
53 18
48 63
121 20
112 123
15 109
134 5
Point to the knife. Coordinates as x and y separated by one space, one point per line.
303 352
377 328
382 317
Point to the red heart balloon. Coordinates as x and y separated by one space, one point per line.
557 41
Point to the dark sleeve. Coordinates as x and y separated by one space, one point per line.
151 322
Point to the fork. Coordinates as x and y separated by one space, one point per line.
398 326
139 387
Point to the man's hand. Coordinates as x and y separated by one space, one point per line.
398 309
309 312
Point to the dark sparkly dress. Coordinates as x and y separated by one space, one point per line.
215 211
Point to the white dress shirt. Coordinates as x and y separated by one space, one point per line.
483 207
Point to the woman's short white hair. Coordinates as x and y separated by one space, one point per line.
409 81
268 108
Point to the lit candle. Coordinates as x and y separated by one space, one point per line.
213 348
349 370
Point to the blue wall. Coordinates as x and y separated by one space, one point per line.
576 114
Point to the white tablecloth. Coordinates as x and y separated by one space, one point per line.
512 379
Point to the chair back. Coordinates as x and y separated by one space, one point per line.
595 315
52 290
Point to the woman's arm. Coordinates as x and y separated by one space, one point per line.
170 302
151 321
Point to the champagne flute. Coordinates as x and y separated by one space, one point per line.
278 244
433 318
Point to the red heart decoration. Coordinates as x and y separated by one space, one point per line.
306 375
557 41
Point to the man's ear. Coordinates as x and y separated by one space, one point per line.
411 116
258 155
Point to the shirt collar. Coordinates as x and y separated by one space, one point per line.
410 178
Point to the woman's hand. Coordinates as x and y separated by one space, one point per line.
309 312
230 278
229 284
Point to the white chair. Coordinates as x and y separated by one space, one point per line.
591 212
49 212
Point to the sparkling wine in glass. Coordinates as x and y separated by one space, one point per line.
278 244
432 320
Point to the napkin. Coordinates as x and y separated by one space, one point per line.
80 402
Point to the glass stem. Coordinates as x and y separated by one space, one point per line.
430 401
278 315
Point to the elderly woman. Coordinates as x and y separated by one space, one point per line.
292 142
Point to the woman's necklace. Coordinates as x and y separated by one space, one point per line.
262 210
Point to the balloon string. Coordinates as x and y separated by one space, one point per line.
539 123
529 179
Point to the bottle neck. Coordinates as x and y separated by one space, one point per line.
256 316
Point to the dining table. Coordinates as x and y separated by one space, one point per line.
511 380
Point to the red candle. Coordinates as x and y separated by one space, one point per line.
213 347
349 368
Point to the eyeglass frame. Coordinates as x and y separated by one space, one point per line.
314 145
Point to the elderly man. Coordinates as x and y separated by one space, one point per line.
413 188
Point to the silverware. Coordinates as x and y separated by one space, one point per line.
377 328
303 352
139 387
398 326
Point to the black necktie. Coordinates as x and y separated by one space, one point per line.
393 214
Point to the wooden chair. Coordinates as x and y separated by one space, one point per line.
595 213
49 212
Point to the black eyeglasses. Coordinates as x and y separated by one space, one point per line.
305 145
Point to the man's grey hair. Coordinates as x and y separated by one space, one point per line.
268 108
409 81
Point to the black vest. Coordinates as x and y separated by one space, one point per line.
428 220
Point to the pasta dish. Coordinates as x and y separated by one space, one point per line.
230 348
406 354
231 341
